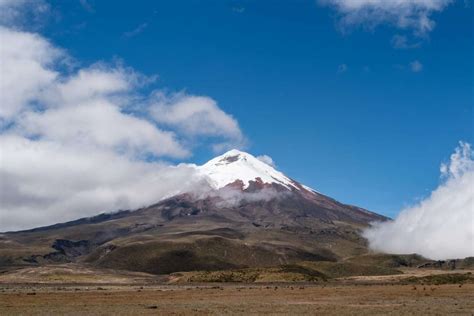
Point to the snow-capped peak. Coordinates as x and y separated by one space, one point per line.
237 165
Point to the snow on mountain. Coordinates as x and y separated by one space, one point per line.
237 165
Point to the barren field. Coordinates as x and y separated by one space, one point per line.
80 290
331 299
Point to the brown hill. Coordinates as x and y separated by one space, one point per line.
186 233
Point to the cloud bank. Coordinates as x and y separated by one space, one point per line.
78 141
404 14
442 225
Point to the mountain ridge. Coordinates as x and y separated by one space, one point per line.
252 216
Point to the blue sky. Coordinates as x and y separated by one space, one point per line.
373 135
337 106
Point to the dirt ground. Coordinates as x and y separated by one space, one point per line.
283 299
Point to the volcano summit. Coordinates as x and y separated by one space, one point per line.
248 214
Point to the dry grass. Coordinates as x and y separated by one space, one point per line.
286 273
284 290
74 274
243 300
445 278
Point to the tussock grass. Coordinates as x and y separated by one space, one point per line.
285 273
438 279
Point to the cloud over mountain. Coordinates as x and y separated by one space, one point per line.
442 225
77 141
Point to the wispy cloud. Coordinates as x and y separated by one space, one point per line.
416 66
238 9
86 5
403 42
413 66
403 14
29 14
136 31
440 226
230 197
266 159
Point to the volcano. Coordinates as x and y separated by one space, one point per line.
248 215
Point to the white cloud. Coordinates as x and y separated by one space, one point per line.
404 14
442 225
266 159
78 143
45 182
97 81
26 62
231 197
82 107
9 10
101 124
403 42
416 66
20 11
195 116
460 162
136 31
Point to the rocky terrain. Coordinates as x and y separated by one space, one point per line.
411 293
249 232
251 216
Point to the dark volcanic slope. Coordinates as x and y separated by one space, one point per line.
186 233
